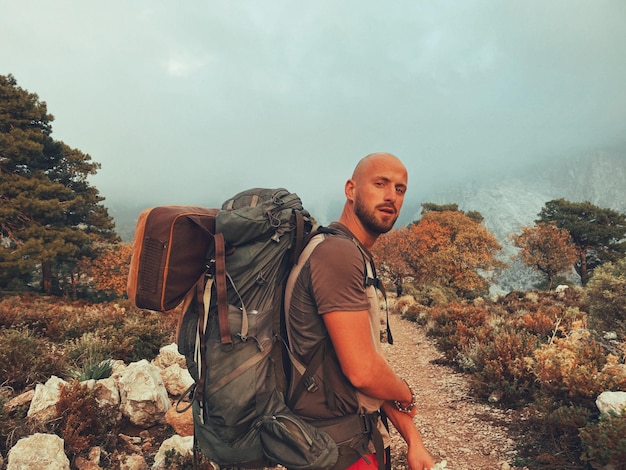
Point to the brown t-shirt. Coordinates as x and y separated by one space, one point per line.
331 280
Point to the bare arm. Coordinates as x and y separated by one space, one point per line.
418 457
369 372
364 367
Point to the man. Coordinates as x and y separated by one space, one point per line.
332 303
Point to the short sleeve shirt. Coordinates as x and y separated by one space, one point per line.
331 280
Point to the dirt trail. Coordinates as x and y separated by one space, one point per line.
455 427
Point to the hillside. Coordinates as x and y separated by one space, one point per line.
511 201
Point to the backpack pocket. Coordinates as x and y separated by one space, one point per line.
296 444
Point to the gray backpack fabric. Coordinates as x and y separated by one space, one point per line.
230 336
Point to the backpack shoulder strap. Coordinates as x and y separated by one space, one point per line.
370 277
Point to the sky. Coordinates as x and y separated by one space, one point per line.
190 102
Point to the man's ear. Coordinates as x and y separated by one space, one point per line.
349 189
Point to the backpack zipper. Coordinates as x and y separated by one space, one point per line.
277 418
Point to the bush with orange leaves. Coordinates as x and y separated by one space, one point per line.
575 369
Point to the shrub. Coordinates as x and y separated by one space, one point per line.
568 369
140 337
82 422
501 366
604 442
26 359
28 312
606 297
434 296
457 327
559 434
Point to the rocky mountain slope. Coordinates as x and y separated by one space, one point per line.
511 201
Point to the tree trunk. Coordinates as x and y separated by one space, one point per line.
584 274
46 277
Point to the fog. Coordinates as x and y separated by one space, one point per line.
190 102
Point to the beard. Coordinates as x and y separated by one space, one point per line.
370 220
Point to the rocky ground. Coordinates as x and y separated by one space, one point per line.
455 427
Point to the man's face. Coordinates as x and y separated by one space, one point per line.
379 195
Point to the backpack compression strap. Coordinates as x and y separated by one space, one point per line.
203 300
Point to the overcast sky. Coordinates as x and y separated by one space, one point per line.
188 102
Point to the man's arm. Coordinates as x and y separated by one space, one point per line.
364 367
417 456
369 372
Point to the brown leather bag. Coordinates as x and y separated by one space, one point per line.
170 250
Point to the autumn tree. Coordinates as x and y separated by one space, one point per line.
547 249
389 260
433 207
445 248
110 269
599 234
50 216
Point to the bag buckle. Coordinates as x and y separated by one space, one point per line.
310 385
209 268
366 423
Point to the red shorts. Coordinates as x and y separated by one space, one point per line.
361 464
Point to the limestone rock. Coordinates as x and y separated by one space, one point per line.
176 379
20 400
39 451
133 462
182 423
180 444
612 402
169 355
43 405
144 399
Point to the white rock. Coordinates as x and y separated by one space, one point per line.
182 445
176 379
611 402
107 391
39 451
169 355
144 399
133 462
43 405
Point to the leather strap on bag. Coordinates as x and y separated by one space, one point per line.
216 272
220 285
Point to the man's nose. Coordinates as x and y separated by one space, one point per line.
391 195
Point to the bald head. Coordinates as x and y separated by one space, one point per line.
374 160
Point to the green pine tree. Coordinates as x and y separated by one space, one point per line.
50 216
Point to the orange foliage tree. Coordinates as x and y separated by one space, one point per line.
547 249
388 255
110 269
446 248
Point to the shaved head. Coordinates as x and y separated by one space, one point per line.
366 163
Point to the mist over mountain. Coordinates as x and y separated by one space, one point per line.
511 201
507 201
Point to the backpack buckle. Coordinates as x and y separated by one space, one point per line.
366 424
209 268
310 385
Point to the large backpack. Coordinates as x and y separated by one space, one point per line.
230 328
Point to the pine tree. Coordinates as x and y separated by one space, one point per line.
50 216
598 233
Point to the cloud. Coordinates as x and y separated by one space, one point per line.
183 63
179 102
